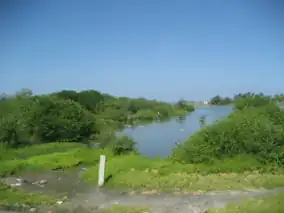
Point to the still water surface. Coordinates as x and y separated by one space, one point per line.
158 139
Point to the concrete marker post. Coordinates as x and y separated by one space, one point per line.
102 170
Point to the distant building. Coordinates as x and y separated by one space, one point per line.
205 102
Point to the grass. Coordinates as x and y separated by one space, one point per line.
53 161
42 149
272 204
16 199
136 172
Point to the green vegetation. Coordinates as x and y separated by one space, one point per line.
70 116
42 149
29 125
87 117
253 131
244 150
53 161
272 204
140 173
14 199
219 100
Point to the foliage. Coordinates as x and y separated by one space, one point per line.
218 100
89 99
70 116
118 144
123 145
238 99
252 101
44 119
273 204
182 104
255 131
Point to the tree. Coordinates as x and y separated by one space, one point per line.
53 119
67 95
90 99
25 92
216 100
181 104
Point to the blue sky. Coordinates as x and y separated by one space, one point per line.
161 49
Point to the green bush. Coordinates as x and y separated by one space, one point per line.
54 119
253 101
146 115
118 144
45 119
182 104
123 145
252 131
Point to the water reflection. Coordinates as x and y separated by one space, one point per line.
158 139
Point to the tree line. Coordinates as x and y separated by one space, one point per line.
219 100
72 116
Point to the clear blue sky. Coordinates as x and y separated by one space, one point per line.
164 49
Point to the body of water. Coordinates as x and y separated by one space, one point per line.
158 139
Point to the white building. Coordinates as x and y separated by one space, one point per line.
205 102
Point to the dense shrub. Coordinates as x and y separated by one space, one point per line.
63 120
118 144
45 119
252 131
252 101
123 145
89 99
182 104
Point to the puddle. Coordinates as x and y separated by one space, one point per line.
51 183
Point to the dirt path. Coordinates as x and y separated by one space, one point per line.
165 203
168 203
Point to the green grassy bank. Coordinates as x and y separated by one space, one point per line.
139 173
37 159
273 204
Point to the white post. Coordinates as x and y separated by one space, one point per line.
102 170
